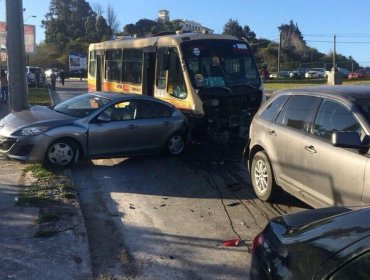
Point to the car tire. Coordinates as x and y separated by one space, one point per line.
262 177
62 153
176 144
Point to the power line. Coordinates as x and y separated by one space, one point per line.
338 35
339 42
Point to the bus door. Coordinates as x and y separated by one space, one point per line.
99 70
149 70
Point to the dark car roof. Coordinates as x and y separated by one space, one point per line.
345 92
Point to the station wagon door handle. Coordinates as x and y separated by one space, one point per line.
272 132
132 126
167 123
311 149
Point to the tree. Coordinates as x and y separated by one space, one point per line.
69 20
129 29
112 19
249 34
98 9
232 27
103 31
144 26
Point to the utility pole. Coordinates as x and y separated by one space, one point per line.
279 50
334 52
18 90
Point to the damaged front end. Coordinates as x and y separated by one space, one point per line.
229 110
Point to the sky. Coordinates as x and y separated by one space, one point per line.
318 20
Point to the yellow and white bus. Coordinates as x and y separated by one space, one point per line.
212 78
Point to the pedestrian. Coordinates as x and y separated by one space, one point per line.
37 77
62 77
265 74
3 86
53 79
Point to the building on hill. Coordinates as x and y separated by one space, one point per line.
192 26
164 16
186 25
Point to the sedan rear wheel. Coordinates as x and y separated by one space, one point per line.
62 153
176 144
263 178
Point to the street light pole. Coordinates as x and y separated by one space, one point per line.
334 52
16 54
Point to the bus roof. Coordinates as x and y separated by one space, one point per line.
173 39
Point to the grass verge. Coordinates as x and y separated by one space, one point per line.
274 85
39 96
54 195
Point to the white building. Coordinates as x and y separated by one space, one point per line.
164 16
192 26
186 25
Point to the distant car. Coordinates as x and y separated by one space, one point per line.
296 74
49 71
93 125
359 74
312 142
31 75
311 74
328 243
273 76
77 73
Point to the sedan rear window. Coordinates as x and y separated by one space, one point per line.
297 110
273 108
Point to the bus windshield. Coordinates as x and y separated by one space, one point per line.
220 63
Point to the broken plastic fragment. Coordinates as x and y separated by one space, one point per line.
231 243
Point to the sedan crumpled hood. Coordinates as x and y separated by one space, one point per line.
36 115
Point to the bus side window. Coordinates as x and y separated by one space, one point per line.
176 83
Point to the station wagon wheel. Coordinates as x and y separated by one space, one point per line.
62 153
262 176
176 144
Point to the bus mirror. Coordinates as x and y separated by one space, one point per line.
165 61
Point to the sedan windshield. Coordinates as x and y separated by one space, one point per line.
81 106
215 63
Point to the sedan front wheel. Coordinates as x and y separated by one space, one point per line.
62 153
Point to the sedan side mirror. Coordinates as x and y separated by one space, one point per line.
104 118
346 139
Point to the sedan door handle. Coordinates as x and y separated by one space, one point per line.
311 149
132 126
272 132
168 123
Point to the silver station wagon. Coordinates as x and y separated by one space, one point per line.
313 143
93 125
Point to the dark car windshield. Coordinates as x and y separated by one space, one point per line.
215 63
82 105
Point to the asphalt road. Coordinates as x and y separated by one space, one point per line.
164 217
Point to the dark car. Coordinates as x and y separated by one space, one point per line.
76 73
93 125
312 142
328 243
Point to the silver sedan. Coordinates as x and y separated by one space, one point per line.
93 125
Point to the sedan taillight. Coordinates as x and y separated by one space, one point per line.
257 241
